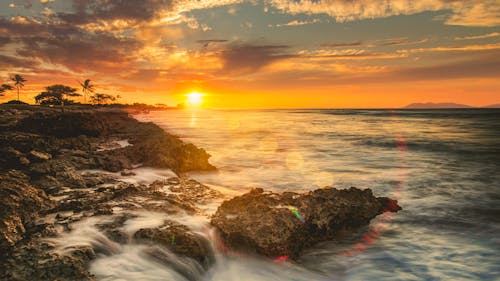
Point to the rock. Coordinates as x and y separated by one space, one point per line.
12 158
21 204
36 260
24 161
277 225
62 169
37 156
180 240
68 124
127 173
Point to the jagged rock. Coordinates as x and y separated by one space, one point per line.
21 204
12 158
50 149
62 169
37 261
180 240
284 224
37 156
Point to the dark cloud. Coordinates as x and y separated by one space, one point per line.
4 41
8 62
67 44
399 42
207 42
485 66
133 10
100 52
144 74
346 44
246 58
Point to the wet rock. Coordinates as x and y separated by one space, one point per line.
61 169
277 225
113 229
12 158
21 204
37 156
185 191
180 240
36 260
189 269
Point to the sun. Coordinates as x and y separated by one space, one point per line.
194 99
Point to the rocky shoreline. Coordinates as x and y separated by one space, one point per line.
59 170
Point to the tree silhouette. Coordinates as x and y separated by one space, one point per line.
5 87
102 98
87 88
18 82
56 95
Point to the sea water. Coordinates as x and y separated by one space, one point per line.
441 165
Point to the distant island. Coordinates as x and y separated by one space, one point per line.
431 105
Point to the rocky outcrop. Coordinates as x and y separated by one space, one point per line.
44 192
180 240
41 135
20 203
277 225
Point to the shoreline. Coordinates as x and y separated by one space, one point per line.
52 186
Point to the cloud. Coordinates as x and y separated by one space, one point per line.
344 44
484 66
296 23
247 58
475 37
4 41
207 42
494 46
402 41
68 45
14 62
94 10
463 12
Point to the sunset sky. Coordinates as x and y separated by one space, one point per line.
273 53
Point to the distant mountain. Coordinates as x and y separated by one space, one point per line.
431 105
493 106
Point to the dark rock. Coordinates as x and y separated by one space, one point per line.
180 240
61 169
69 124
37 156
284 224
12 158
35 260
21 204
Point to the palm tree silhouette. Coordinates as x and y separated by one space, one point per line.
5 87
87 88
18 82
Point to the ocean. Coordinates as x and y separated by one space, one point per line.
441 165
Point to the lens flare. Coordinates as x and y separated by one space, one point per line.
295 211
294 161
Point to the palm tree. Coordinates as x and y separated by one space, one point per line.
87 88
18 82
5 87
